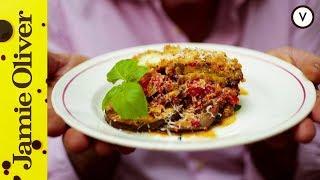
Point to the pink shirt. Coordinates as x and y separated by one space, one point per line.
91 28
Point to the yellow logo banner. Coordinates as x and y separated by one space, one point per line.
23 89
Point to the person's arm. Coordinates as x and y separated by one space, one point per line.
276 158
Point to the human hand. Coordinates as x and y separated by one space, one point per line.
309 64
276 156
86 154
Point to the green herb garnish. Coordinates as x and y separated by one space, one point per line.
128 98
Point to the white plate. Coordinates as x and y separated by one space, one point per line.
279 97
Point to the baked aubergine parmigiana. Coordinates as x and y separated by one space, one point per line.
185 89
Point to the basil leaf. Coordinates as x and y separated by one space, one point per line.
129 101
121 70
109 95
127 70
138 73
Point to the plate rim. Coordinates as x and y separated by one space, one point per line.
310 99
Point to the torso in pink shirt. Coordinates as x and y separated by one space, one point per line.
91 28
